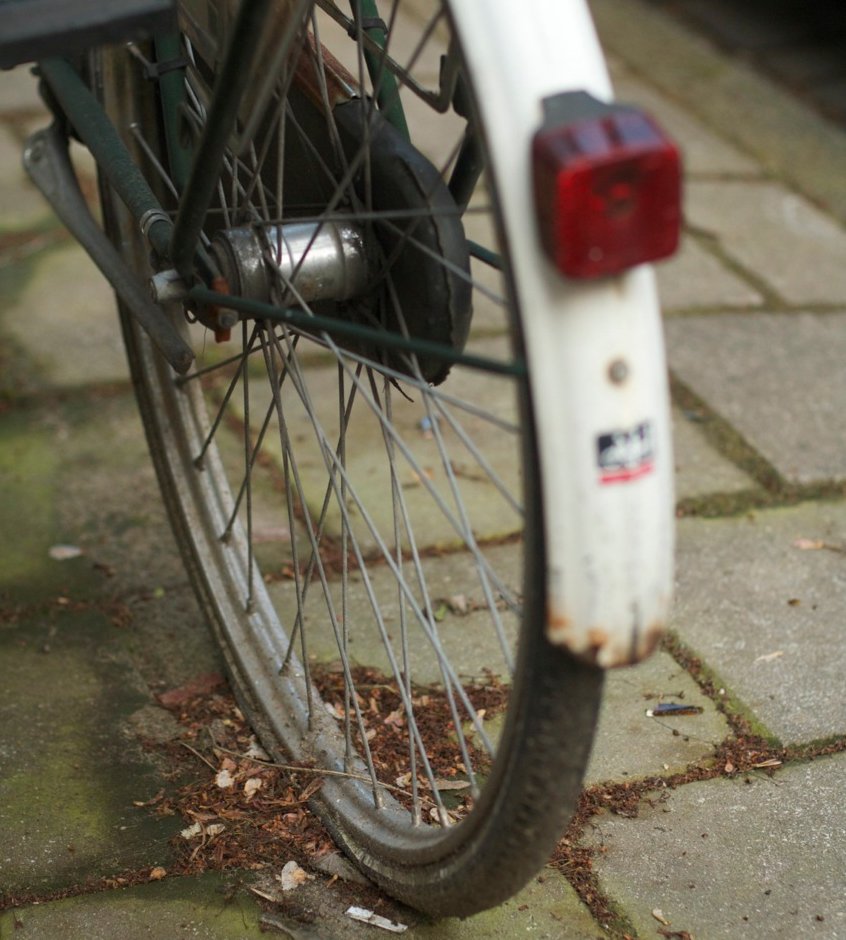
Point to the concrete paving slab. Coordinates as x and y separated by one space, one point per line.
744 27
23 205
768 615
64 486
806 64
831 96
778 379
703 150
546 909
168 638
700 469
29 466
66 307
469 638
421 465
782 134
199 908
694 279
629 744
19 91
70 770
220 906
775 233
108 499
755 856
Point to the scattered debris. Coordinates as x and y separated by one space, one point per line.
768 657
256 751
452 784
658 914
772 762
202 685
64 552
198 829
252 786
335 710
816 545
224 779
426 425
673 710
151 802
157 873
292 876
458 604
376 920
336 866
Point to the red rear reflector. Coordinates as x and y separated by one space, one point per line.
607 192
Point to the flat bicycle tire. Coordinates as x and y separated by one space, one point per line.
458 859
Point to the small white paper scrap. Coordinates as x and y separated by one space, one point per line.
375 920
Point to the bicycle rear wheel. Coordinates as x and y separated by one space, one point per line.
363 525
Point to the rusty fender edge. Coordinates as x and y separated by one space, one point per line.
600 647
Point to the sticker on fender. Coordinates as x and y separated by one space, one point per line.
626 454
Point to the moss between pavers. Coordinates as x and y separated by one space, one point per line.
163 910
71 770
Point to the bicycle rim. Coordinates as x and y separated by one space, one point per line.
367 545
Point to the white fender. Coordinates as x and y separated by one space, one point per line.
594 349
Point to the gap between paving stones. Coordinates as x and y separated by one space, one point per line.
774 492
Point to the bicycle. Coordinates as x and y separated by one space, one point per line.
421 480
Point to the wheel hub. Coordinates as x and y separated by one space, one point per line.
311 261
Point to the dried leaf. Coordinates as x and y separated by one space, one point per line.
335 711
658 914
157 873
202 685
191 832
768 657
224 779
252 786
452 784
808 545
396 718
151 802
256 751
458 603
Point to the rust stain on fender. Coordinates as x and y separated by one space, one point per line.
599 647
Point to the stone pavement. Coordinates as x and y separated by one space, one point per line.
726 823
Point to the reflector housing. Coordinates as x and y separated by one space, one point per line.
607 187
